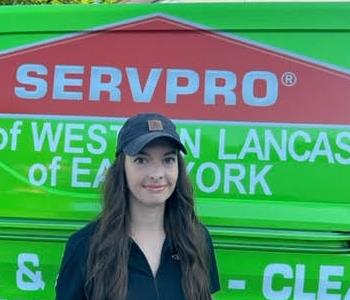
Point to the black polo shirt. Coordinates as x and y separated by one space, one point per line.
166 285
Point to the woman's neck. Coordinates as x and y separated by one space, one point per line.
147 219
147 231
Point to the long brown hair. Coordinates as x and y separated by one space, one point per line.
107 274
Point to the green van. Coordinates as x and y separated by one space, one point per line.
261 95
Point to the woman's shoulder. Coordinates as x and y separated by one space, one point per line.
205 231
81 238
213 270
76 254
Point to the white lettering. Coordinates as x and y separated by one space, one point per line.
212 90
27 280
69 84
37 174
248 88
299 284
77 171
326 284
229 178
62 81
270 272
54 167
173 89
192 145
259 178
101 146
222 143
292 145
46 134
15 131
343 146
322 148
38 85
252 145
205 167
279 147
3 138
101 173
70 137
98 84
146 94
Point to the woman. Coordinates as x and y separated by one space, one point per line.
147 244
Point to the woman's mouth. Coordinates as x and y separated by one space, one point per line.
155 188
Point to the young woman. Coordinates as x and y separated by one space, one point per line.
147 243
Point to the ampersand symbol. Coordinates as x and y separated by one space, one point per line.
27 280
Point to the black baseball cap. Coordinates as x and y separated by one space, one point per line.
142 129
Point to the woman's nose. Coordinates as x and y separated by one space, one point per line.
157 172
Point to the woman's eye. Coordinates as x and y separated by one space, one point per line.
170 160
140 160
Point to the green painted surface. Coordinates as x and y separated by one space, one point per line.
291 225
310 36
72 191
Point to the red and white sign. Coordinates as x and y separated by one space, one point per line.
159 64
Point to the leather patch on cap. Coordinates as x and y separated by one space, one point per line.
155 125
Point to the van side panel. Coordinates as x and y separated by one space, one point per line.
260 94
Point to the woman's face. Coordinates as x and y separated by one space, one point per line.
152 174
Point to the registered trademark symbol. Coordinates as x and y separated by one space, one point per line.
289 79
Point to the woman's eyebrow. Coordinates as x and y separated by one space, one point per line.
172 152
142 153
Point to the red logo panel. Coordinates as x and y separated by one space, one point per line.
162 65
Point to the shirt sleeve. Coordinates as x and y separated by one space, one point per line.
72 274
213 270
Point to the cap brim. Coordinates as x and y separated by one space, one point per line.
136 145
